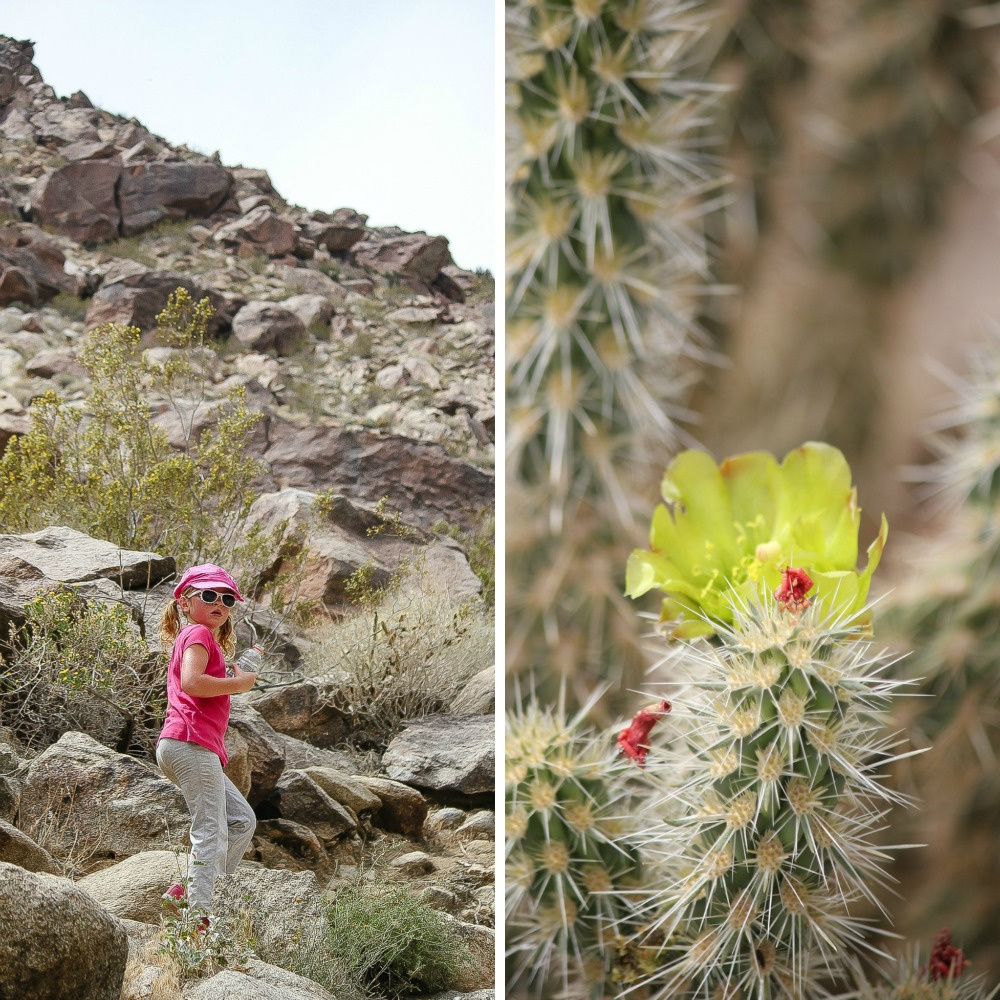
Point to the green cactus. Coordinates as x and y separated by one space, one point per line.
569 863
606 188
778 757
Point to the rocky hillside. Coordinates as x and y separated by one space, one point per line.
369 351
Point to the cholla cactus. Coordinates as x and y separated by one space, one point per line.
569 863
606 189
775 797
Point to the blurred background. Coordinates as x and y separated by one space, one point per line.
821 261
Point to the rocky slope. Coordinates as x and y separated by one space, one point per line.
358 343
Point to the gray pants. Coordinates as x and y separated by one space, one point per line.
222 822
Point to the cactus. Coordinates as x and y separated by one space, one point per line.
944 614
569 863
606 189
779 758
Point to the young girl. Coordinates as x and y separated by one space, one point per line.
191 749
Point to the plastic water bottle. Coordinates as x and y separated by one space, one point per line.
251 659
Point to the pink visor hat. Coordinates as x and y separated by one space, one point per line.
207 577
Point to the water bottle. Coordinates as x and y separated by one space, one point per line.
251 659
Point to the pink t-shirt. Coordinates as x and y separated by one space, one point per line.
197 720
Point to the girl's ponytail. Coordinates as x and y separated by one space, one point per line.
227 637
170 624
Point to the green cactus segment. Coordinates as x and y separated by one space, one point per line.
725 530
604 248
569 862
779 772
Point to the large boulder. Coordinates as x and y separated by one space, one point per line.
265 751
414 476
260 229
100 803
57 941
298 798
16 66
478 697
149 192
337 232
445 754
79 200
403 809
266 326
32 266
17 848
411 255
257 981
136 295
298 710
344 789
32 563
133 889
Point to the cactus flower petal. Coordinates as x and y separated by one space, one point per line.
633 741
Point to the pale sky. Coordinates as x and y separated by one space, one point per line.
384 106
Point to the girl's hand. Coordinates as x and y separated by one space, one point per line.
247 678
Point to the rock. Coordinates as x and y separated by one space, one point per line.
413 864
238 770
298 798
262 326
289 846
443 818
149 192
475 995
89 150
57 941
310 309
445 570
303 755
79 200
277 904
481 947
100 803
403 810
337 232
17 848
414 476
265 753
57 361
258 981
12 424
481 823
16 65
344 789
10 794
139 294
413 255
298 711
415 314
134 888
260 229
478 697
445 753
309 281
32 267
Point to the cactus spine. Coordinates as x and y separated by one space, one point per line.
776 771
605 261
569 865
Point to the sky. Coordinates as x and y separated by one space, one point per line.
384 106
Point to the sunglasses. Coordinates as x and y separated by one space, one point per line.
211 596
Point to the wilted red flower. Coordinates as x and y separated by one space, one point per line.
946 961
633 741
791 595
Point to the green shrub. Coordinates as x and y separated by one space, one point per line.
105 468
390 944
81 665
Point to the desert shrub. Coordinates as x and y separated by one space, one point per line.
402 656
80 665
69 306
105 468
389 944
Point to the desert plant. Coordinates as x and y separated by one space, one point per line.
83 665
404 655
390 944
107 469
569 865
606 188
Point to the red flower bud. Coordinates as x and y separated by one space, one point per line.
946 961
633 741
791 595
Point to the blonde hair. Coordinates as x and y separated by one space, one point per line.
170 626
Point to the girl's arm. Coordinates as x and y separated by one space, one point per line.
198 684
